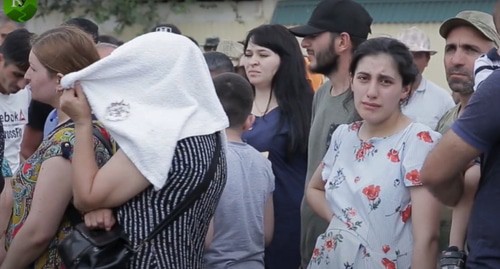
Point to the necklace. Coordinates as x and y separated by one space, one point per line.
260 111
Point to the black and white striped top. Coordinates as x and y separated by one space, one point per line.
179 246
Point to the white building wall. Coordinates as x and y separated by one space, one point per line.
227 20
232 20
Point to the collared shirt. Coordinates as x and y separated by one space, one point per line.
485 65
428 104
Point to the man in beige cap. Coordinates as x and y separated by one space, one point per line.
449 171
234 50
428 102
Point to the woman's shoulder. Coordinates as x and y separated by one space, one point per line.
349 128
62 139
417 128
193 141
420 132
63 133
67 129
194 152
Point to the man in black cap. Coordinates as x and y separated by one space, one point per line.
331 35
211 44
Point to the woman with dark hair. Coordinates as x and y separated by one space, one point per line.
275 67
368 185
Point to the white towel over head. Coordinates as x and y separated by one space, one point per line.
150 93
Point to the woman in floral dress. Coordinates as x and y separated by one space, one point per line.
368 184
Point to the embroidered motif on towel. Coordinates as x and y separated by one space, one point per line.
117 111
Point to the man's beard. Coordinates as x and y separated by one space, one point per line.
461 86
327 61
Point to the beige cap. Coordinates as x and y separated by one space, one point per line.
416 40
233 49
482 21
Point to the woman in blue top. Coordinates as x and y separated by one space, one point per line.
275 67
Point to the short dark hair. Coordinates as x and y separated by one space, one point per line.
86 25
236 96
16 48
218 62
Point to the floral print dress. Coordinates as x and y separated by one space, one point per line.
24 185
367 188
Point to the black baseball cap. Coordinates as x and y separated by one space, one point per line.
166 27
337 16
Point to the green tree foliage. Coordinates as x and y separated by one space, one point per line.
125 12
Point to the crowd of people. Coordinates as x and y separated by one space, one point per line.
347 157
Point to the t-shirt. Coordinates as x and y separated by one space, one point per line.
448 119
485 65
14 116
50 123
428 104
37 114
239 218
6 172
5 166
328 113
479 126
289 170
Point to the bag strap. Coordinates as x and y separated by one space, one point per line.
96 131
191 198
73 214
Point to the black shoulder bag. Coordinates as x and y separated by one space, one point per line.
100 249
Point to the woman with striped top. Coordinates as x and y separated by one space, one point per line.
164 152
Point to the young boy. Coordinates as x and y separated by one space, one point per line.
243 222
489 62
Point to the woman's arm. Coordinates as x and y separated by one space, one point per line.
115 183
445 179
269 220
50 200
5 212
461 212
315 195
210 234
425 216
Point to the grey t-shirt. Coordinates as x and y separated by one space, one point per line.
448 119
239 218
328 113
